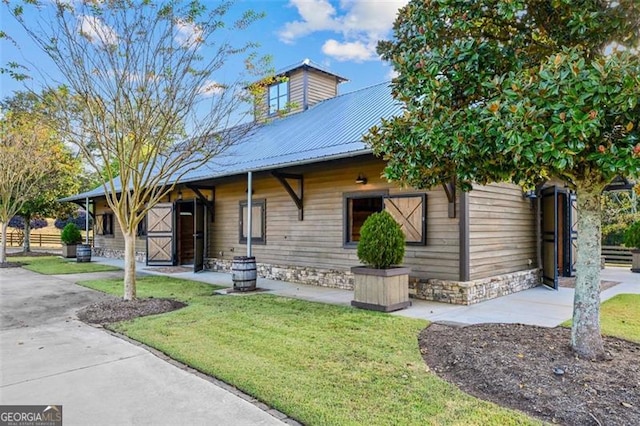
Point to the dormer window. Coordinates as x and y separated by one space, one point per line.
278 97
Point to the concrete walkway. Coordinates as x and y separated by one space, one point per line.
536 306
48 357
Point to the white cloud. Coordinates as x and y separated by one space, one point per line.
347 51
97 31
188 34
211 88
360 23
317 15
392 74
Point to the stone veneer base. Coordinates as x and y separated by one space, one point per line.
455 292
470 292
117 254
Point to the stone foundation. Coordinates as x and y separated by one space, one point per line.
470 292
141 256
294 274
455 292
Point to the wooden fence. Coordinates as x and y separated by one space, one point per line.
16 239
617 254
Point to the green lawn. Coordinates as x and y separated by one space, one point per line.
318 363
53 265
620 317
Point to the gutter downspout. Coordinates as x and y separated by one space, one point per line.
464 236
249 211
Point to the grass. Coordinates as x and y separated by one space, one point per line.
620 317
54 265
318 363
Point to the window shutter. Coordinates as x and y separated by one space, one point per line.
410 212
98 225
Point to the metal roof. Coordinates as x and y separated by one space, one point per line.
329 130
308 63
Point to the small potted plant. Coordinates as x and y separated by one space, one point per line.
70 237
381 285
632 240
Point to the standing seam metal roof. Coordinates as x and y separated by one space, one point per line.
330 129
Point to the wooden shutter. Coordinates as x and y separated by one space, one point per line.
98 225
160 238
410 212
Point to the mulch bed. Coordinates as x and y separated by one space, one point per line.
115 310
533 369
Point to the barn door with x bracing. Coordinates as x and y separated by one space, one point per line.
160 238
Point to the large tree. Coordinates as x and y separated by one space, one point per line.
63 167
28 152
155 100
520 91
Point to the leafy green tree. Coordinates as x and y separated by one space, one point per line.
63 167
520 91
152 99
28 153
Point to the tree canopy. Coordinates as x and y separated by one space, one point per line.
34 162
520 91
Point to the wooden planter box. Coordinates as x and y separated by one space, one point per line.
383 290
69 250
635 260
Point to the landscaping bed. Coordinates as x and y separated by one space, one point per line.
533 369
119 309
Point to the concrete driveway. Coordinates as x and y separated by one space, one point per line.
48 357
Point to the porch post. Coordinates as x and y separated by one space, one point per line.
86 221
249 212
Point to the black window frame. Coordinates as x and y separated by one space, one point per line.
346 228
280 103
107 225
141 231
262 239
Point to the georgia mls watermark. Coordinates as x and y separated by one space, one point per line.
30 415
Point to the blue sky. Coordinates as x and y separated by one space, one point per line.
338 34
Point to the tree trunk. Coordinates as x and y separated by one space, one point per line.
586 339
26 243
3 243
129 265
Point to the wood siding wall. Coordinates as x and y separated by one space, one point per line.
296 90
502 231
115 241
321 87
318 240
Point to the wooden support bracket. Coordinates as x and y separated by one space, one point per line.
296 196
209 203
450 190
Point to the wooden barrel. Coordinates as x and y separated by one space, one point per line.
243 270
83 253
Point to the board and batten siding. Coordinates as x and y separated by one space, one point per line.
502 231
115 241
318 240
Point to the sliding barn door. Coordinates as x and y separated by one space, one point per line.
549 204
160 235
199 213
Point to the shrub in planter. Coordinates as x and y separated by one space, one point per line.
381 286
381 242
71 234
632 240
